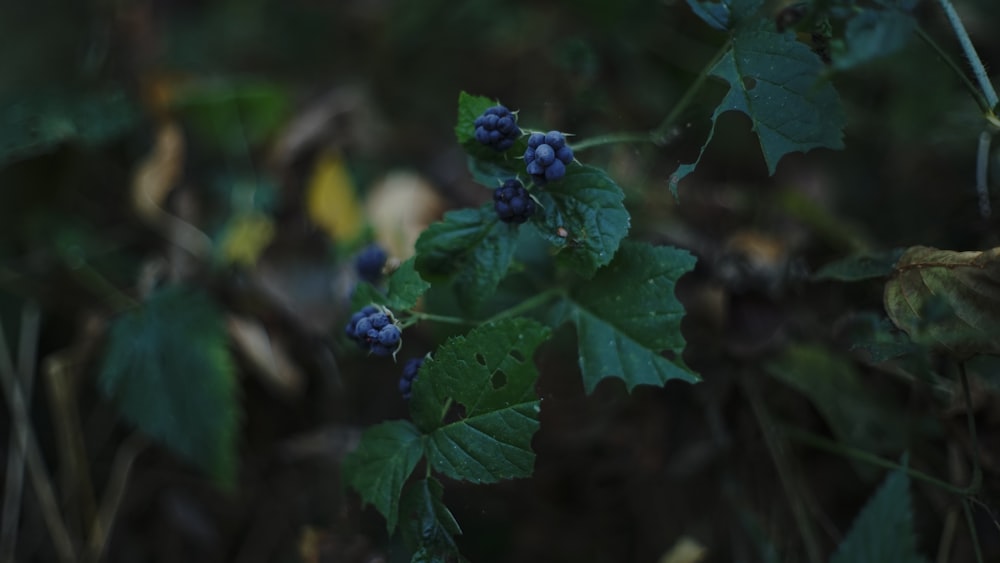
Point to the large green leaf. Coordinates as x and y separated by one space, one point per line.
490 374
777 82
947 300
405 286
36 124
386 455
428 526
168 368
584 217
628 314
470 246
883 531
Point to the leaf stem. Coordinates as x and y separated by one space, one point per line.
976 94
970 53
830 446
527 304
421 316
663 133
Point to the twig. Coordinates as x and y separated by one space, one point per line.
113 495
40 480
970 53
784 471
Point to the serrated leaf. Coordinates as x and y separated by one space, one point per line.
377 470
36 124
485 163
725 14
872 34
947 300
168 368
471 247
883 531
628 314
491 374
777 82
404 288
858 267
586 206
428 526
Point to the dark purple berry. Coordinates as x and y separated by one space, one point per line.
536 139
545 154
555 171
370 262
389 335
512 202
497 128
410 371
379 320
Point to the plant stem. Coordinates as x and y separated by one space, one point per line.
526 305
977 472
774 446
970 53
421 316
976 94
982 170
662 134
100 285
870 458
971 522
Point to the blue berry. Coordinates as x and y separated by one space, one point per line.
389 335
379 320
362 327
497 128
410 371
547 156
370 262
512 202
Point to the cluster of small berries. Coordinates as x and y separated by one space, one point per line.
370 262
512 202
547 156
409 376
375 329
497 128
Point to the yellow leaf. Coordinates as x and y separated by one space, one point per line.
247 236
333 201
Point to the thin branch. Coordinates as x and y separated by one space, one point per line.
970 53
113 495
982 171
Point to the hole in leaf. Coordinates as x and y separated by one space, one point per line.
499 379
481 359
749 83
517 356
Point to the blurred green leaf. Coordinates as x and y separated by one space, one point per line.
872 34
168 369
231 115
585 206
778 83
883 531
725 14
471 247
36 124
947 300
628 314
377 470
860 267
490 373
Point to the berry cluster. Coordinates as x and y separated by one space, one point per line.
374 328
512 202
409 377
547 156
369 263
497 128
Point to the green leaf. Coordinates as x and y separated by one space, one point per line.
229 115
872 34
880 340
485 163
586 206
168 368
405 286
36 124
840 394
628 314
491 374
883 531
428 526
472 247
377 470
947 300
725 14
860 267
777 82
